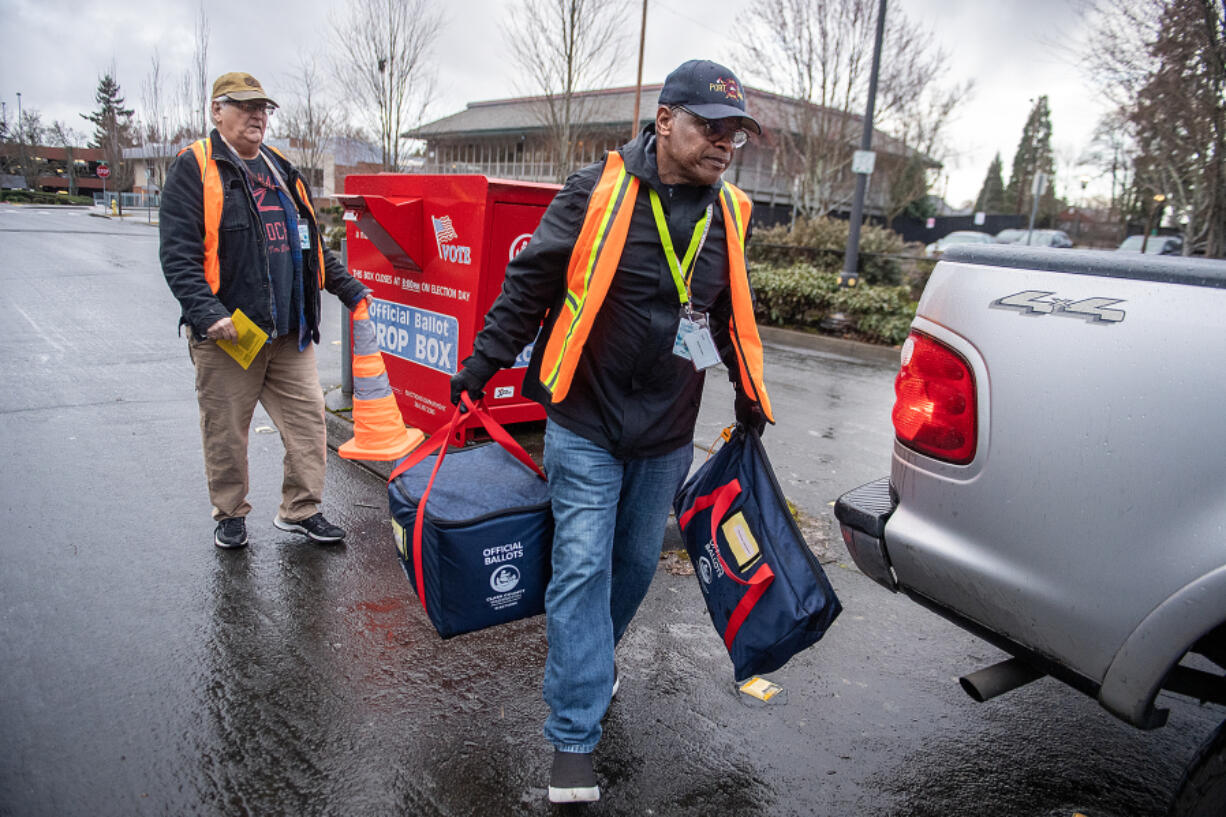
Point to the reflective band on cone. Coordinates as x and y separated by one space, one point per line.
379 432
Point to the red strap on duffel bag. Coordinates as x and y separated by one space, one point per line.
719 501
463 416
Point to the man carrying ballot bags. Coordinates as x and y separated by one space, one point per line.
241 248
638 271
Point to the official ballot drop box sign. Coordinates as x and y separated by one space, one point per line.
434 250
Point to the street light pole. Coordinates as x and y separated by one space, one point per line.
851 258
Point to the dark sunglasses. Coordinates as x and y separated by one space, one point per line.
719 129
253 107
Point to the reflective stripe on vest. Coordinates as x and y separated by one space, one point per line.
595 258
742 327
590 271
213 199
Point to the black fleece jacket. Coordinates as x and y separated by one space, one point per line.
630 395
242 248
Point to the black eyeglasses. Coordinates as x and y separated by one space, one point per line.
253 107
719 129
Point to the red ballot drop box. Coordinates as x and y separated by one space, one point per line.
434 249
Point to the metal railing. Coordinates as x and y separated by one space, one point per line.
129 201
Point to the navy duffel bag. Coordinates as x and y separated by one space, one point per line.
765 591
478 554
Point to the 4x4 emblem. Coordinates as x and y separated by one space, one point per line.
1039 302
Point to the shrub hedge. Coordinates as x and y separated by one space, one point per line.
795 271
824 241
804 296
39 197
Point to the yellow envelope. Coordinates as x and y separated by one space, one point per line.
251 339
740 540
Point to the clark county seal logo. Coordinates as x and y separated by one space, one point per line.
504 579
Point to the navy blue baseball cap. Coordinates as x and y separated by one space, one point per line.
709 90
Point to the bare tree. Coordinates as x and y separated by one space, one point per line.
919 126
63 136
1112 152
309 120
1164 63
155 125
384 51
820 52
200 67
30 132
565 47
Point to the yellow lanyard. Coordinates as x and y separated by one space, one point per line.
682 270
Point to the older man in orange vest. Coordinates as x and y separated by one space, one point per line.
238 232
638 271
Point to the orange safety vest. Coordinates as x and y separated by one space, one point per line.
214 197
595 258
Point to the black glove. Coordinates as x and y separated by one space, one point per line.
466 380
749 413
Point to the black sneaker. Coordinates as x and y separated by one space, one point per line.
316 527
572 778
231 533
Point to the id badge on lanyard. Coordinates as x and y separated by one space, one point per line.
694 341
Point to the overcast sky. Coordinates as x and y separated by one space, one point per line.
54 51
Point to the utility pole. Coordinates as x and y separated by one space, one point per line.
638 86
862 165
21 142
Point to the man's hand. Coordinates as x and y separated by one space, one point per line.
222 330
467 381
749 413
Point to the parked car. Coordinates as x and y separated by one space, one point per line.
1157 244
1035 238
957 237
1057 480
1047 238
1010 235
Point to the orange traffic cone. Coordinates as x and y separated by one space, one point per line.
379 432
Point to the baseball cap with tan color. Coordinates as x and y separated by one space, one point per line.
240 87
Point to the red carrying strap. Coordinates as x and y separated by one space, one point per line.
719 501
463 415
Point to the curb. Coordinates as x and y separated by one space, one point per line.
825 344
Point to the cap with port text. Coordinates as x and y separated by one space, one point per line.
709 90
240 87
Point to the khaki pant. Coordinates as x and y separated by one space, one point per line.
286 382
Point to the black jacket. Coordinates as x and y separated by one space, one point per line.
242 248
630 394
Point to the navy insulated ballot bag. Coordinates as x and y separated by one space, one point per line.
765 591
478 554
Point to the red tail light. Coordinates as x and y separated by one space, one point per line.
934 404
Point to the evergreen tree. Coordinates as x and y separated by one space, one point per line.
112 121
992 194
1033 156
113 131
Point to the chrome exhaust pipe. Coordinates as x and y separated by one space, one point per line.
998 679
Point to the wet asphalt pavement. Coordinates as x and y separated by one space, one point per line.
145 672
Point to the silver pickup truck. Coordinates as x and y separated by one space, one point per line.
1058 484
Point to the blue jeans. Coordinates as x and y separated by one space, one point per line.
609 517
